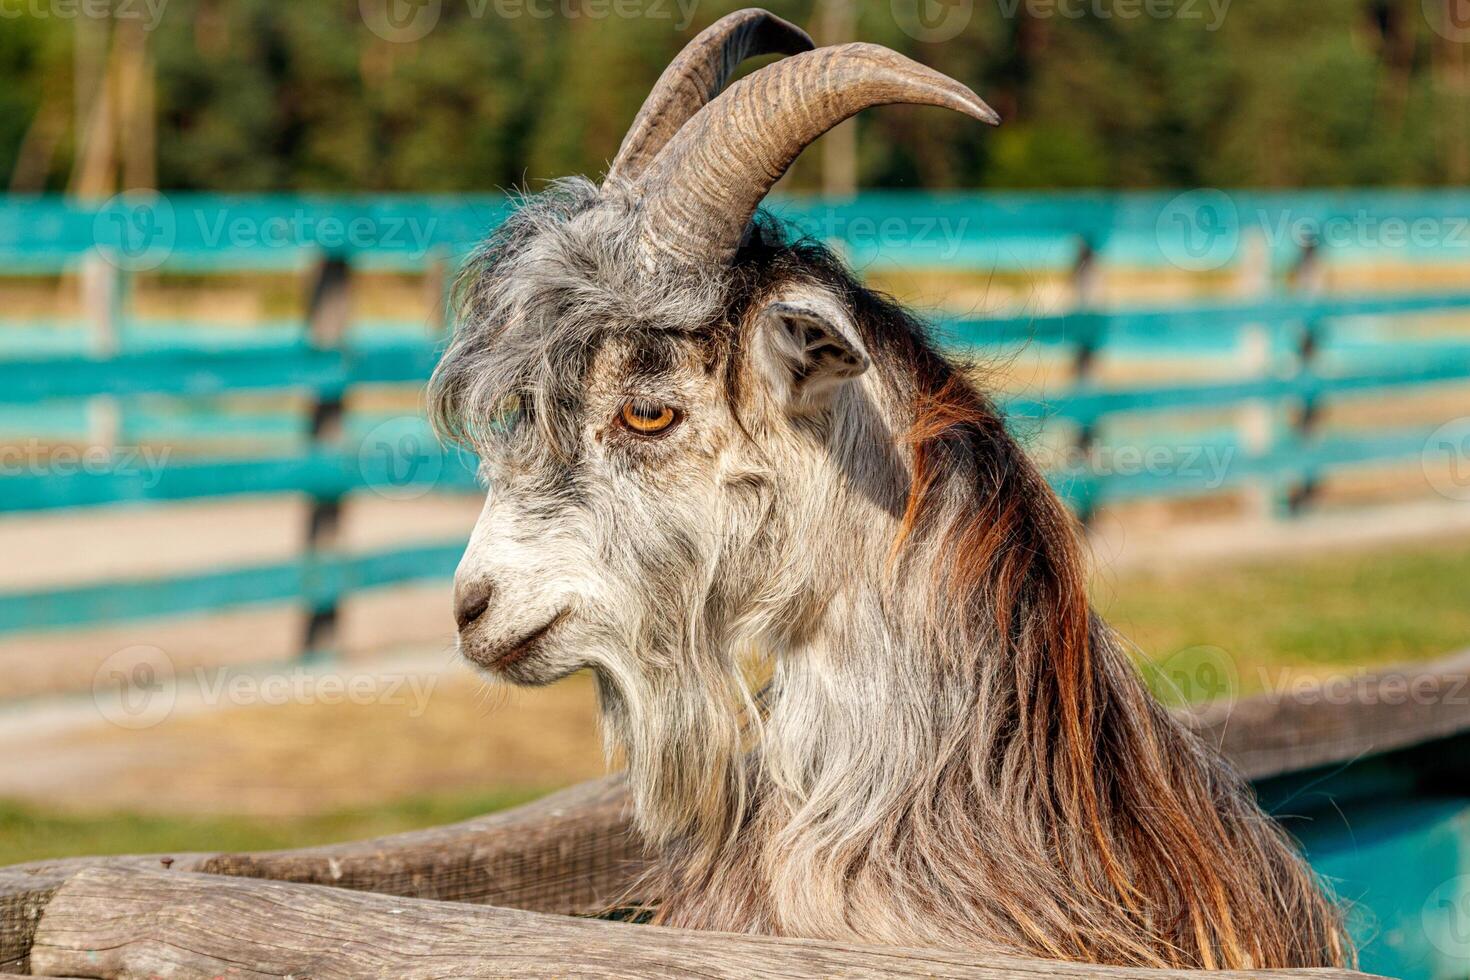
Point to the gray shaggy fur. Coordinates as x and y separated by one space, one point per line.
952 750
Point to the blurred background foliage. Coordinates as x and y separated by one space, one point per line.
257 95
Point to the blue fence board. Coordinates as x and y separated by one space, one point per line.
321 475
316 584
186 361
1017 231
1402 843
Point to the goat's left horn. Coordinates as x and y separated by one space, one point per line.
696 76
701 191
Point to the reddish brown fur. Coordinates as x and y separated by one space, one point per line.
1161 842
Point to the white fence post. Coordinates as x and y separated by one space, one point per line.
1256 419
103 287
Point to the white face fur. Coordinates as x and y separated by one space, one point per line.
645 547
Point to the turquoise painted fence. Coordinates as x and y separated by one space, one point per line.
287 386
170 382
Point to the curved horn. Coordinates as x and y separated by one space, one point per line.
702 190
696 76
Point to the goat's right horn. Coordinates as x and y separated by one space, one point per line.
696 76
701 191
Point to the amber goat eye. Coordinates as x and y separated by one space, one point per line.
647 418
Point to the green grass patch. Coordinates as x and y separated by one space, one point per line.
30 834
1309 615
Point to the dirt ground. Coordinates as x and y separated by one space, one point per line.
341 738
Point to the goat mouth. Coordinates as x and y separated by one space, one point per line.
512 653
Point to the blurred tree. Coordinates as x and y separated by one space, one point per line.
35 101
256 95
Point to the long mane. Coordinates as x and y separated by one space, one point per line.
961 753
1056 807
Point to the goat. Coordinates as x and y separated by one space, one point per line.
706 441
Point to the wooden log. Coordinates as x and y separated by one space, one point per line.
25 889
120 924
1341 719
571 852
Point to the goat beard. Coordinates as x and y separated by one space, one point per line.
687 747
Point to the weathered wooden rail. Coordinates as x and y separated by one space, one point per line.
528 869
109 922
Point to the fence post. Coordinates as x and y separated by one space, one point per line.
1308 279
328 316
1257 418
104 295
1086 282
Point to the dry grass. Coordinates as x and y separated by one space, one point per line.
450 735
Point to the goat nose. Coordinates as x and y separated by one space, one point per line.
471 601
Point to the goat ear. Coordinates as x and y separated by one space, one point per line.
808 349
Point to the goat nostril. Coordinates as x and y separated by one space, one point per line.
472 604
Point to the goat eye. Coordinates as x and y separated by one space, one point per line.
647 418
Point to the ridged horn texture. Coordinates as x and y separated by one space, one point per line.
697 75
700 193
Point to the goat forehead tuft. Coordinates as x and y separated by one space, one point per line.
564 274
536 303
